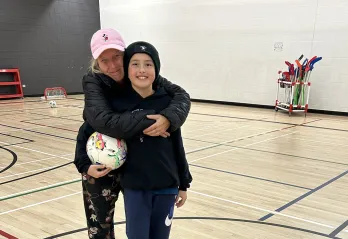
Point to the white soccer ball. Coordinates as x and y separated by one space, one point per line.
52 104
105 150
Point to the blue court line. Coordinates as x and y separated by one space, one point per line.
248 176
304 196
214 219
339 229
275 122
270 152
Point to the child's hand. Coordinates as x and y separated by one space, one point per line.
181 199
97 171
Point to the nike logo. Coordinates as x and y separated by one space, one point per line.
168 221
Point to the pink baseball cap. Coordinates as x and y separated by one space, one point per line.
105 39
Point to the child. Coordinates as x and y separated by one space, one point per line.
155 175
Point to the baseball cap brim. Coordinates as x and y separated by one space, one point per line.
100 50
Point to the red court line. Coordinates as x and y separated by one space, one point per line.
2 233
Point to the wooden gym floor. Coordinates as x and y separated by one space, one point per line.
257 173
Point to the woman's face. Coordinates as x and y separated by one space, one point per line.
141 71
110 62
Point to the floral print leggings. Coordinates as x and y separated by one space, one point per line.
99 196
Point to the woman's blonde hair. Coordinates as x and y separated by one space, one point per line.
94 67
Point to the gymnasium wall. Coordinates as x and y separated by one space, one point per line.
224 50
48 40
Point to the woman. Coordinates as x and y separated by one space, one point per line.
105 81
106 78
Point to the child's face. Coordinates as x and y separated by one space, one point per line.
141 71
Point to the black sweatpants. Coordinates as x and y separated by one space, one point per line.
99 196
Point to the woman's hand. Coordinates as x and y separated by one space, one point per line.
159 128
97 171
181 199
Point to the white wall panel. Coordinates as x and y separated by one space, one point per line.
224 49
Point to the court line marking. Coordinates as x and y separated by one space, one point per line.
248 176
211 125
207 157
204 126
192 151
195 150
37 151
192 191
272 152
217 197
30 191
36 127
339 229
21 110
11 144
307 194
238 139
265 210
31 171
44 159
305 124
38 132
201 220
219 131
39 160
47 117
35 169
324 142
43 110
192 161
4 234
39 203
196 160
244 118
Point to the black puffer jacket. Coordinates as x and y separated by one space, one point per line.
98 90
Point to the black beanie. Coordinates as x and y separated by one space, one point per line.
142 47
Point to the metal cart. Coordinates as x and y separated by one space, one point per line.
296 86
290 90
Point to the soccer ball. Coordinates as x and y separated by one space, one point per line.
52 104
105 150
